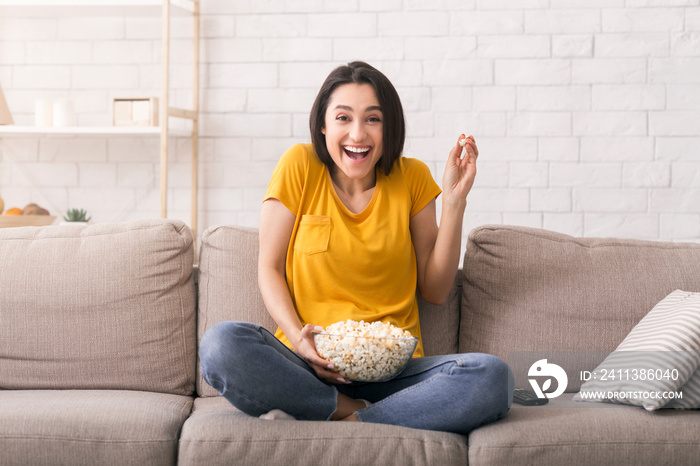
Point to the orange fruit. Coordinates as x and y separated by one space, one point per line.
13 211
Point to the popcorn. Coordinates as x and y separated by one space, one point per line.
463 142
365 352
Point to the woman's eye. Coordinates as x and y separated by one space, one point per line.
374 119
341 118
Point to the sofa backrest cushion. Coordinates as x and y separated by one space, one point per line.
103 306
228 284
439 323
529 294
228 290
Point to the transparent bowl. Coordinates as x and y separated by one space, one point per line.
365 359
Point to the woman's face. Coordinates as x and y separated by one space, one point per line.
353 127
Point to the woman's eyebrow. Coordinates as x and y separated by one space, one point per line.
348 108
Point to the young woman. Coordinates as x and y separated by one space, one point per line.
348 231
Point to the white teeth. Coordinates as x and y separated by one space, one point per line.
357 150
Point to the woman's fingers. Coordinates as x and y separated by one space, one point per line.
466 144
323 368
325 372
329 376
307 348
471 148
456 151
460 169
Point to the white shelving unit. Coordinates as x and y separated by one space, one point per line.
165 8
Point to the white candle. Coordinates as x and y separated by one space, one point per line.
63 113
43 113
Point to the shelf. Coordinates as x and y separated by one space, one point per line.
9 221
15 130
48 8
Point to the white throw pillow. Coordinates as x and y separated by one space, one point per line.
658 358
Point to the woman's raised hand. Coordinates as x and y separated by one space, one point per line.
460 171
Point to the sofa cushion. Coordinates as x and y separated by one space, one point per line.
439 324
228 290
228 284
104 306
574 433
660 354
535 291
217 433
88 427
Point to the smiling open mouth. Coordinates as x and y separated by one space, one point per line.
356 153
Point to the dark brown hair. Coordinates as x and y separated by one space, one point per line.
394 127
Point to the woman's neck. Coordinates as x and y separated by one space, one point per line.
353 187
355 194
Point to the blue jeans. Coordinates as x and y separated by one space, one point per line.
257 373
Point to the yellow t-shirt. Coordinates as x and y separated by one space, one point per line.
341 265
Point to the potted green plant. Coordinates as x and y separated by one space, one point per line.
76 216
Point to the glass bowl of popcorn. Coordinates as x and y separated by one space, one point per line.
366 352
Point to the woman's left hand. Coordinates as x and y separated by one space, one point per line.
460 171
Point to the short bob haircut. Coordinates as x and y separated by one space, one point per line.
394 126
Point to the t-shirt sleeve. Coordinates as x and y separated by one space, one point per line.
421 184
288 178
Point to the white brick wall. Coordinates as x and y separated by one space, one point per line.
587 112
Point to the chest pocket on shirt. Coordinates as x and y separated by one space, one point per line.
313 234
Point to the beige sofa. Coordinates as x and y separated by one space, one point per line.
99 327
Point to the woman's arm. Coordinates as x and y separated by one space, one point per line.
438 248
276 225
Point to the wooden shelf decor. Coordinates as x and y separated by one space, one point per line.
7 221
49 8
5 115
135 111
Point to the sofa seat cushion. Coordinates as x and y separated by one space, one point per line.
575 433
87 427
217 433
104 306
